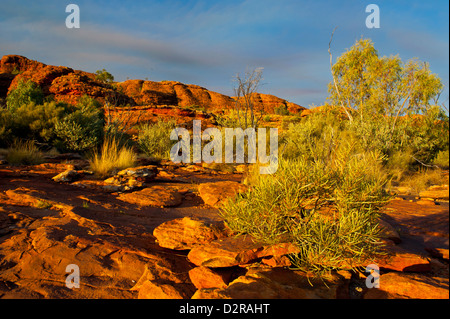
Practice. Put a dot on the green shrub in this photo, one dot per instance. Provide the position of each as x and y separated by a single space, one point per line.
24 153
230 119
406 143
116 130
37 121
442 159
312 136
23 94
282 110
104 76
154 139
112 158
328 209
5 126
82 129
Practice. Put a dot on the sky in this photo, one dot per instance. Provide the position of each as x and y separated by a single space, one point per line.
208 42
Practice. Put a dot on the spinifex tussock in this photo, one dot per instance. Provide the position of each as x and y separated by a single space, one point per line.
112 158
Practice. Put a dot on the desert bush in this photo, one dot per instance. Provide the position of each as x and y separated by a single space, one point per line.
267 118
24 93
114 130
104 76
442 159
407 143
37 121
311 136
81 129
329 209
112 158
5 126
24 153
423 178
230 119
154 139
282 110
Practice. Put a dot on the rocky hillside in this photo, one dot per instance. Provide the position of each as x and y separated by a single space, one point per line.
67 85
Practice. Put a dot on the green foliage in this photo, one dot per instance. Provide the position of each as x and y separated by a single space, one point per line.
37 121
42 204
372 85
230 119
5 126
16 71
104 76
24 93
82 129
331 181
442 159
328 209
116 130
282 110
311 136
154 139
409 142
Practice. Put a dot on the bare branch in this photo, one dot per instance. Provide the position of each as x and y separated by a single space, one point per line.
334 79
244 91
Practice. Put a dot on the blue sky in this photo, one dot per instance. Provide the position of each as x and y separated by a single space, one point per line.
208 42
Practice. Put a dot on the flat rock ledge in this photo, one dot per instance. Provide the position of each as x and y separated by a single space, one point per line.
153 196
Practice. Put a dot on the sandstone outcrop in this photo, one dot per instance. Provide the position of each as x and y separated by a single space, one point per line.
68 85
158 196
215 194
64 83
186 233
236 250
409 286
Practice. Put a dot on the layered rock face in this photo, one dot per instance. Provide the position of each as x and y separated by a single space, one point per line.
174 93
68 85
64 83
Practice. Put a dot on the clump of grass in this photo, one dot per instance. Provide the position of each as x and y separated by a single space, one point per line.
24 153
112 158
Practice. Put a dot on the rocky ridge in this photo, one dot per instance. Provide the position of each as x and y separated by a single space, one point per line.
68 85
